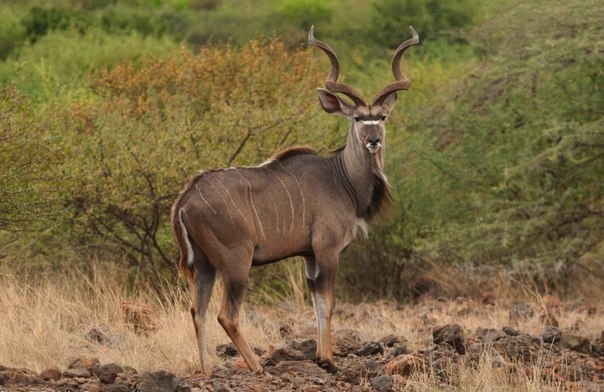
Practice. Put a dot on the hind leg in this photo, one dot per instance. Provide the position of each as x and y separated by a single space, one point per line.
202 283
235 284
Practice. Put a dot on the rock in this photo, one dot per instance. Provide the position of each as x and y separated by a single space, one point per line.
346 342
227 350
576 343
116 387
490 334
373 368
308 347
18 378
52 373
396 351
77 372
108 373
451 334
393 341
381 383
90 364
523 348
551 334
5 376
510 331
397 345
306 368
161 381
404 365
219 386
290 352
68 384
370 349
93 386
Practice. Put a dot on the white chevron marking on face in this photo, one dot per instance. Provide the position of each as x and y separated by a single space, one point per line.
370 122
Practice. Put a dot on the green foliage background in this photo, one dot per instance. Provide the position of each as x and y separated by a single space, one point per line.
496 154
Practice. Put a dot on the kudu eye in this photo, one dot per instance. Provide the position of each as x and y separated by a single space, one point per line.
356 118
383 118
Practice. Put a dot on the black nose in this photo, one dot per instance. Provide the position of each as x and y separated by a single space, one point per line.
373 140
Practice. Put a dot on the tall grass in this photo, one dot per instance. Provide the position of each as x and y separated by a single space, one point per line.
50 320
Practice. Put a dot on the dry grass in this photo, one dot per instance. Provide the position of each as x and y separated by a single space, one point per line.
48 322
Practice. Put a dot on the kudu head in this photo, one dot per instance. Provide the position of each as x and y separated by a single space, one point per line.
367 120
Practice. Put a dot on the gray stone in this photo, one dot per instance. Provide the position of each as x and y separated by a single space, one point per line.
162 381
551 334
453 335
381 383
78 372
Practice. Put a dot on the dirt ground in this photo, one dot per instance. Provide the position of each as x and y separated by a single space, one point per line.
451 357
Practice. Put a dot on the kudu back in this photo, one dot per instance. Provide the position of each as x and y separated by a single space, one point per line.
298 203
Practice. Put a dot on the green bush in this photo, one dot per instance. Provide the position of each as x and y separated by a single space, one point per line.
26 152
12 33
131 149
518 160
54 66
42 20
432 19
305 13
120 19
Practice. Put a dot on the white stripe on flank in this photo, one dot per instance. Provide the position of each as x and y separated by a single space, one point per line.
203 198
301 193
249 186
289 196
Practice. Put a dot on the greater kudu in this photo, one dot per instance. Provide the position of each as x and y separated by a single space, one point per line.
296 204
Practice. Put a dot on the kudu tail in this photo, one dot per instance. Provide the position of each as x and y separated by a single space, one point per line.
181 236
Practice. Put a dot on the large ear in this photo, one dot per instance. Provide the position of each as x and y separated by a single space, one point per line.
332 104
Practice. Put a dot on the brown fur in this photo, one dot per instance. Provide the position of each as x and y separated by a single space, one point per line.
294 204
293 151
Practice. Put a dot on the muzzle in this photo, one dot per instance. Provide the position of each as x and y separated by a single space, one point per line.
373 144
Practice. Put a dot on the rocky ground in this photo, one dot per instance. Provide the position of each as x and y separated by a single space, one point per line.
554 357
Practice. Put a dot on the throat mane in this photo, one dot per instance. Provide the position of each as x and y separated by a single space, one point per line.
381 197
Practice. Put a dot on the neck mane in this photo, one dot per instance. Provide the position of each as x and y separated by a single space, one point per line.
364 180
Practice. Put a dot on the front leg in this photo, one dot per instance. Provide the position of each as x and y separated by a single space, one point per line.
321 278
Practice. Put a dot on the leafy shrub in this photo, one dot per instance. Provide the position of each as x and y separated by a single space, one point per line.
519 158
12 33
143 21
150 127
41 20
305 13
431 18
54 67
26 151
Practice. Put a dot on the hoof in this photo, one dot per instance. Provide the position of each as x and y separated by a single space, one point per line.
257 371
328 367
